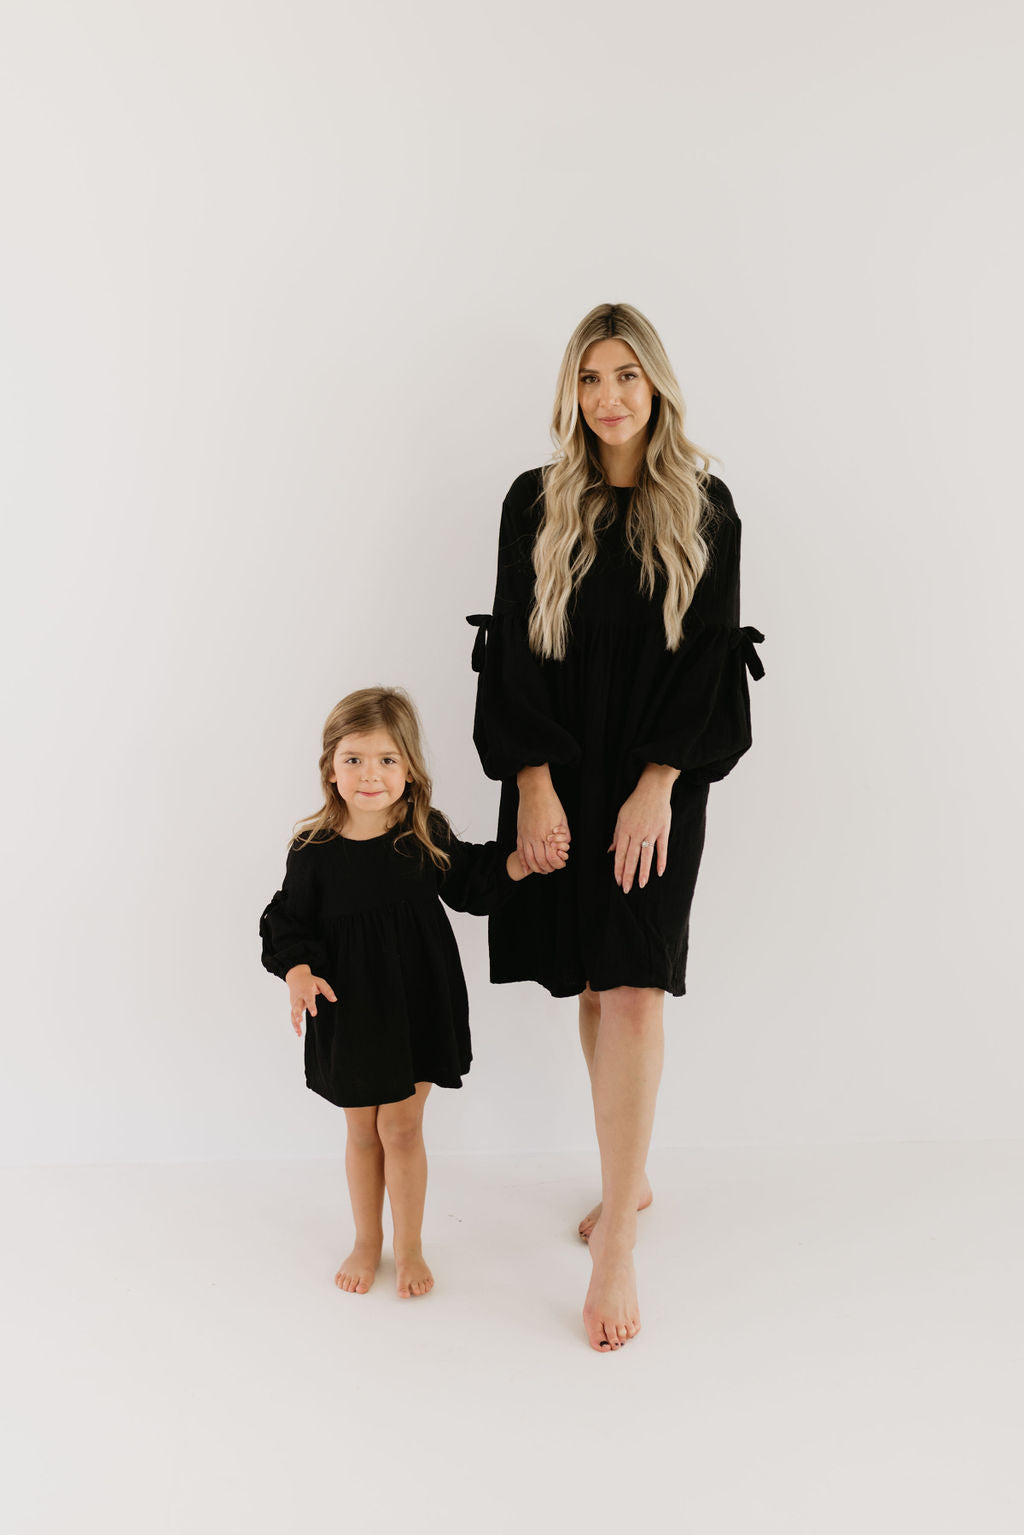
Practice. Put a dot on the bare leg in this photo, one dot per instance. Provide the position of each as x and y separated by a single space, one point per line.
400 1127
625 1074
590 1022
364 1168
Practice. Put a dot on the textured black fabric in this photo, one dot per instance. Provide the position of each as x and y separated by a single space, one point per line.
366 917
617 701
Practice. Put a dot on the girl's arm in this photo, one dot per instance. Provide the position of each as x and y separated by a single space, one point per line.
480 877
289 930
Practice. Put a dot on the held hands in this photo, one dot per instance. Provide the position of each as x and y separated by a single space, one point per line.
557 846
543 842
303 989
642 827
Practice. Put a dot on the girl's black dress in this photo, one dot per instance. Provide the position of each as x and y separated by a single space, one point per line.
367 918
617 701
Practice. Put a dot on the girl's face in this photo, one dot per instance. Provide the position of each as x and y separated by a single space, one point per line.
370 772
614 392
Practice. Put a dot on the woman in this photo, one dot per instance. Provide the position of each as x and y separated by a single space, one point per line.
612 692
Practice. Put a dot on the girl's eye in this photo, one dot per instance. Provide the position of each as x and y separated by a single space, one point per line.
388 761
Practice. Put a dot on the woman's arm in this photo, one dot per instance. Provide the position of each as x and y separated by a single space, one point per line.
642 826
541 818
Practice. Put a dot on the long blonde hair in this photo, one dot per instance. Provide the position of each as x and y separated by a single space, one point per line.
669 509
389 709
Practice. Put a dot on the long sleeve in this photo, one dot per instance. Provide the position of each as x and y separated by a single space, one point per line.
515 724
478 880
289 927
698 719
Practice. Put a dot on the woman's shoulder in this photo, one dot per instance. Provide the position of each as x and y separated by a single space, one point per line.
525 496
720 497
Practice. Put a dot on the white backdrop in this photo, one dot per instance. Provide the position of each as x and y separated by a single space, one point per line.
285 289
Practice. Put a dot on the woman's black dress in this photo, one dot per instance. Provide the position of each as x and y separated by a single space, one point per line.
365 916
617 701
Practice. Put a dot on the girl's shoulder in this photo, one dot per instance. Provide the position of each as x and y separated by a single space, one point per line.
440 827
309 848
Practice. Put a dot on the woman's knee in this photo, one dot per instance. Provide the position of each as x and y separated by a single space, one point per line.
590 1003
634 1008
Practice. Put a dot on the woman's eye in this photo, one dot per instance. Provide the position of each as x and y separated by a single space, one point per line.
627 377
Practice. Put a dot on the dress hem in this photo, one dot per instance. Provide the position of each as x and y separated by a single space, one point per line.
371 1103
556 989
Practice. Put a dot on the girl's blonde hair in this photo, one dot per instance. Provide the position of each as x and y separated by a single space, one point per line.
669 509
389 709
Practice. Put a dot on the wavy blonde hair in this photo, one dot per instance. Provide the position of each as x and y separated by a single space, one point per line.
669 510
389 709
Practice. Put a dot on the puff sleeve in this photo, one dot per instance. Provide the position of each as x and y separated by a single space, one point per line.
698 718
515 723
289 927
478 880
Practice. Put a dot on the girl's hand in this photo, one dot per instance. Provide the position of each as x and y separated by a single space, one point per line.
558 849
642 827
541 819
303 988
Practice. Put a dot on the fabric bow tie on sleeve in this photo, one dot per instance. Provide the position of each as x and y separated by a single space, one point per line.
747 638
481 622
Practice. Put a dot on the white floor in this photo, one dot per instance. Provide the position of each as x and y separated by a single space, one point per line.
832 1343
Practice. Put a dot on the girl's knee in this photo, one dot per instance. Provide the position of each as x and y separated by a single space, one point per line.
362 1128
400 1125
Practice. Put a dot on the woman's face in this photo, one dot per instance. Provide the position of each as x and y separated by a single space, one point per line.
615 393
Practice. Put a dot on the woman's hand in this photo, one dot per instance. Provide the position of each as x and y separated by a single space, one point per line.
543 839
643 825
303 988
558 848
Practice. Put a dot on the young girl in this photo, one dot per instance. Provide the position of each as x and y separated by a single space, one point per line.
358 933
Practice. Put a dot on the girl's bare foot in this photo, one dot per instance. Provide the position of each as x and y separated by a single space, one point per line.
414 1278
588 1222
611 1313
357 1273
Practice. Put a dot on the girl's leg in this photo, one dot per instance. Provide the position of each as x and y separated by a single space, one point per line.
625 1074
590 1022
364 1168
400 1127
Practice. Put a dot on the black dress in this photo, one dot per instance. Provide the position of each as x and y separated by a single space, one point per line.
617 701
365 916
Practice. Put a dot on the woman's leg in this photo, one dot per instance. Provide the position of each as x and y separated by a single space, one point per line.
364 1169
400 1127
590 1022
625 1074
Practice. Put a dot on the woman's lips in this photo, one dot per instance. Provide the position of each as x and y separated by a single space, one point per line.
610 420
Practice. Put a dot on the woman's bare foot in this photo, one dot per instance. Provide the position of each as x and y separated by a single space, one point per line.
588 1222
357 1273
414 1278
611 1313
